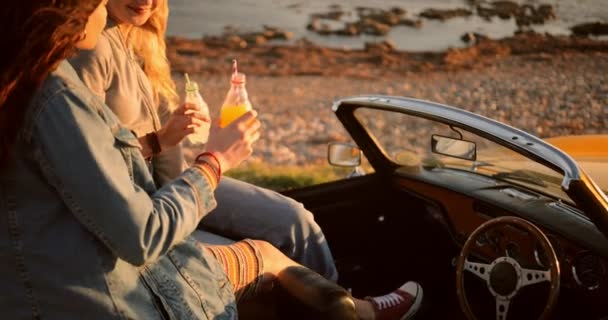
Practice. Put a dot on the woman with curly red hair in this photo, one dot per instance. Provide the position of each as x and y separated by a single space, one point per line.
84 230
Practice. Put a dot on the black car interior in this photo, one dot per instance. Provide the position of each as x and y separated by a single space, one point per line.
385 229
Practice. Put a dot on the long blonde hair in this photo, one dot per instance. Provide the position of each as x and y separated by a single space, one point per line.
148 42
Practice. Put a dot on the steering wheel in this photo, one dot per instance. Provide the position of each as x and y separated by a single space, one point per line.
505 277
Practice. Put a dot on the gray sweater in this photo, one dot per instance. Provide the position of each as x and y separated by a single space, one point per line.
112 72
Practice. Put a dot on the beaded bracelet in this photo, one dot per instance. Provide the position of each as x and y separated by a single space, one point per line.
203 159
214 157
211 167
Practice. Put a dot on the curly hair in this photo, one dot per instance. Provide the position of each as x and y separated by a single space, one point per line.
39 34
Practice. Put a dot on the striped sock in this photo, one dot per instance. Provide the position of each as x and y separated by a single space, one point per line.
242 263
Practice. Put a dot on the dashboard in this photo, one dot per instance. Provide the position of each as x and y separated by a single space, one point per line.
461 205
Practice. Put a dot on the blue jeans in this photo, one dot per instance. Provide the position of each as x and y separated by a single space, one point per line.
248 211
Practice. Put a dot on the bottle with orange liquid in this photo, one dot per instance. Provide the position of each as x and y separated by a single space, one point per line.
237 102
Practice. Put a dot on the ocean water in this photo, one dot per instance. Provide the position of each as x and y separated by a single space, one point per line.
196 18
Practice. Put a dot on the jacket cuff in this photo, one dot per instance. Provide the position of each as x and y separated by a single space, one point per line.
203 190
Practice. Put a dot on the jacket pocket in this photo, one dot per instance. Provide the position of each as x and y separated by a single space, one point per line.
160 306
206 279
162 279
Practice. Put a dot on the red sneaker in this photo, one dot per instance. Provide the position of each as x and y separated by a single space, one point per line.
401 304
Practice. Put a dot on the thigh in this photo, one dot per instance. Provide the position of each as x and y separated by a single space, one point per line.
248 211
209 238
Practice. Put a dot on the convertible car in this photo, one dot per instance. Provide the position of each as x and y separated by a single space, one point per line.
495 223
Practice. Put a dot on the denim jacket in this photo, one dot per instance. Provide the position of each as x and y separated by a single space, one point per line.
85 234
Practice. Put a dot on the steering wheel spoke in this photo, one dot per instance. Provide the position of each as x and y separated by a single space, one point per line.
502 308
531 276
505 276
481 270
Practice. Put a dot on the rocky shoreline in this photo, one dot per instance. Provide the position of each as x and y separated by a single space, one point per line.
212 56
543 84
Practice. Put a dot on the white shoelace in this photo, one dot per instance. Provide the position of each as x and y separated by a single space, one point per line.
389 300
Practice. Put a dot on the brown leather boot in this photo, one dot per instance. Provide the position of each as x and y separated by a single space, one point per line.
328 299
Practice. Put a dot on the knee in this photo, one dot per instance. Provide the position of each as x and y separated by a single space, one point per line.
273 259
296 210
266 249
302 219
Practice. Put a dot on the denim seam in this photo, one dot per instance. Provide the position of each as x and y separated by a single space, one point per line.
196 177
109 286
190 282
148 279
40 103
127 156
199 202
69 201
164 281
200 294
45 98
22 270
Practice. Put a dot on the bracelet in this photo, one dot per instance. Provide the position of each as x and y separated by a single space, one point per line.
208 172
203 159
152 139
214 157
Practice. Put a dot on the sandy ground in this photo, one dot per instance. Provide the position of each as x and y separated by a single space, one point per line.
545 90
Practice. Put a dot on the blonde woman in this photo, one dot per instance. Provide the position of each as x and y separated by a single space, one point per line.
129 70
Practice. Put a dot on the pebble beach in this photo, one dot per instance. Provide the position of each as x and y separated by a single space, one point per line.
543 84
551 96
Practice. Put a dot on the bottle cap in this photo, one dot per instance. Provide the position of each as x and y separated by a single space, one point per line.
237 77
192 86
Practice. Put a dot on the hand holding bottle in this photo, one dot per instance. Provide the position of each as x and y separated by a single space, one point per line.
233 143
183 122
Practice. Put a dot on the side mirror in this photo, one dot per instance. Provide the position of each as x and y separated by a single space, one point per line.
453 147
343 154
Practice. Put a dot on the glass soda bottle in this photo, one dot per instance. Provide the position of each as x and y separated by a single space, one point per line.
237 102
193 96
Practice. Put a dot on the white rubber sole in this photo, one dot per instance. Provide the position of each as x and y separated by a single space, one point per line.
416 305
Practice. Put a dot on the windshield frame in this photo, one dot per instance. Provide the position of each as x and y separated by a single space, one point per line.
579 187
409 140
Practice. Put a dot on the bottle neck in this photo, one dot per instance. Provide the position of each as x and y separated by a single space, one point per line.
240 84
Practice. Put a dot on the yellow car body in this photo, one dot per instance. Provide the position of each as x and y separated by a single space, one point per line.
590 152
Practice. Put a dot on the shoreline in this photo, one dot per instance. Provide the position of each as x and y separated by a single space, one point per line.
213 55
545 85
417 25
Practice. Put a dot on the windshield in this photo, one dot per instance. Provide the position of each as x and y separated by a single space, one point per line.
405 138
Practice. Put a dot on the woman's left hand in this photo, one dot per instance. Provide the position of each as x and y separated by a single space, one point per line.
184 121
